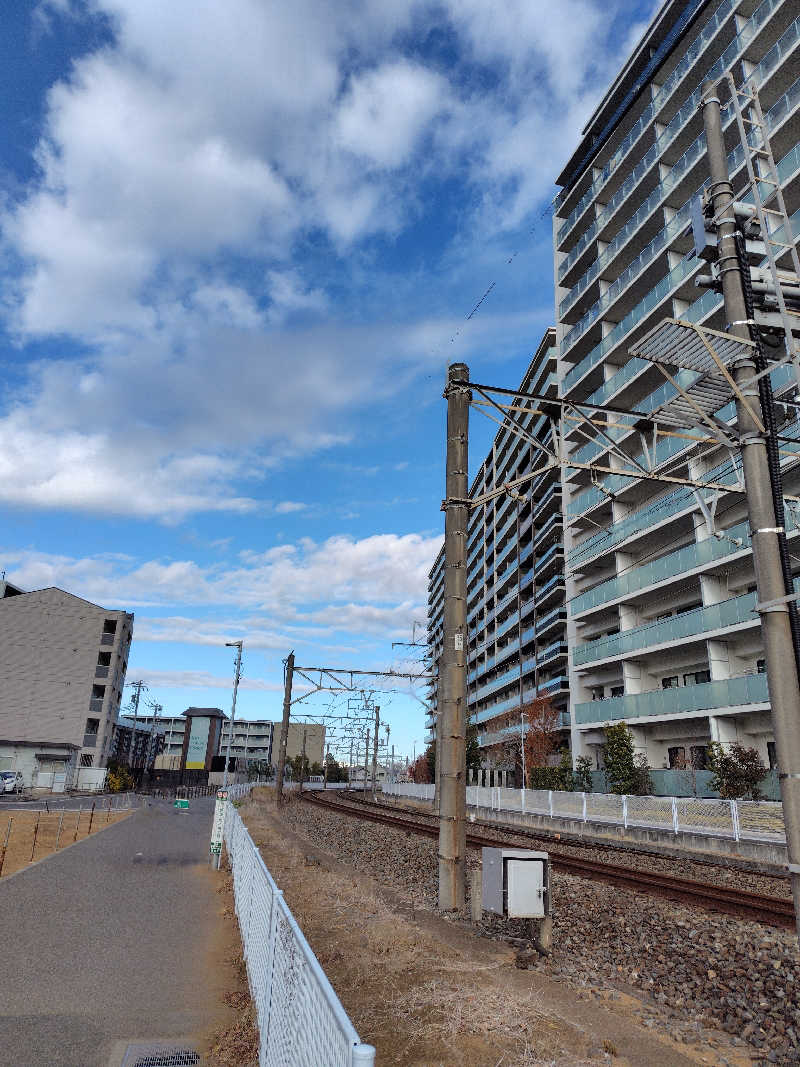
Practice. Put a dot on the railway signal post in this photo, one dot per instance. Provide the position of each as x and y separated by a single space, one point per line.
451 718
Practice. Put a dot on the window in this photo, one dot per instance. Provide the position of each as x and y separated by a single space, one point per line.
598 692
110 626
90 733
618 690
87 760
761 666
98 692
670 683
677 757
697 677
103 659
699 757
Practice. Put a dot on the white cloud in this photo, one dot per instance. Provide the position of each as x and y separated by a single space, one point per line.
203 680
295 592
205 137
286 507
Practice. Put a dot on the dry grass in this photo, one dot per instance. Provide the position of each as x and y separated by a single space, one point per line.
31 835
416 998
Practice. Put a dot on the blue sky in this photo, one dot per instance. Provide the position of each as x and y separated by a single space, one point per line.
239 244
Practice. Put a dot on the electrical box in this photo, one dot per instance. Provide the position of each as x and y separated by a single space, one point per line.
516 883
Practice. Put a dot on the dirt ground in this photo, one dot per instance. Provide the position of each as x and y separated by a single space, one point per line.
28 836
424 991
233 1039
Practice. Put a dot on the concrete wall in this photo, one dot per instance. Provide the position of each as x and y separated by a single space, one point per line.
50 646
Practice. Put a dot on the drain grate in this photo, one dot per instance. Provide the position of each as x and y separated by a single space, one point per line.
160 1054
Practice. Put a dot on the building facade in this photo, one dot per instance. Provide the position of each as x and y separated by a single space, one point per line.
516 619
662 628
62 669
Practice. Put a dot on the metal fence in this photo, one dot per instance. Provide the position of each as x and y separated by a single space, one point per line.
300 1020
739 820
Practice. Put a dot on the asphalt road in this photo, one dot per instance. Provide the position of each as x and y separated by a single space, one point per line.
107 941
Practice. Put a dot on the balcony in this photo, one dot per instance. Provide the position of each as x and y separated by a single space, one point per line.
708 696
737 611
690 558
550 588
687 111
663 93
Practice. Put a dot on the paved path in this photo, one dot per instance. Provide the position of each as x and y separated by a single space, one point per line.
108 941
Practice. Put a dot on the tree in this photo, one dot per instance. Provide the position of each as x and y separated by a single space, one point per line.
473 748
430 756
625 772
583 774
737 771
420 770
542 726
336 773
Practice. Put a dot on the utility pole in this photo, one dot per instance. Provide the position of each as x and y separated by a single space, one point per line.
391 772
350 764
366 763
287 707
157 709
375 748
453 663
137 688
236 674
782 679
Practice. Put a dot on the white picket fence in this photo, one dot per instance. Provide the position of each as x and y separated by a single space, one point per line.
301 1022
740 820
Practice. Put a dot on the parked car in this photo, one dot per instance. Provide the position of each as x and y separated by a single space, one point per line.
10 781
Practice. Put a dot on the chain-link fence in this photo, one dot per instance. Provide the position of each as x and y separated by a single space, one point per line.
740 820
300 1020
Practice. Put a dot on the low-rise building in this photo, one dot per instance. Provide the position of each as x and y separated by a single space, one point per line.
62 669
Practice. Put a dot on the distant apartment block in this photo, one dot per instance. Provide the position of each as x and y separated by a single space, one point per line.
662 628
62 670
516 618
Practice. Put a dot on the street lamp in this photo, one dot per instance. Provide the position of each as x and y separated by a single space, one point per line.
238 646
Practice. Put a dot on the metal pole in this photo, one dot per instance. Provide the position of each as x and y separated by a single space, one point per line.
453 662
303 760
391 772
237 672
287 705
350 764
522 746
375 748
782 679
366 763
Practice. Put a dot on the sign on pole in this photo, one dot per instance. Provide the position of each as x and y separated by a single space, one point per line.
218 825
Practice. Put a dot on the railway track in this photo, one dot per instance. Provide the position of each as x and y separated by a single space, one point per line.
774 911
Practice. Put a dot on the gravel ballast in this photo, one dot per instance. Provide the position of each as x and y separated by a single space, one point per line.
693 969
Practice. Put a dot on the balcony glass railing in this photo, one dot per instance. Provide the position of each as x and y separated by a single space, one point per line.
551 586
660 570
723 693
503 680
659 244
545 621
512 620
733 612
689 108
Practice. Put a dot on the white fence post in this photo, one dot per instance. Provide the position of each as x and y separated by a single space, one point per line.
583 797
625 812
674 814
550 801
735 819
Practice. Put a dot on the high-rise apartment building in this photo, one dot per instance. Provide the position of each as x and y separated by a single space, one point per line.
662 628
516 621
62 670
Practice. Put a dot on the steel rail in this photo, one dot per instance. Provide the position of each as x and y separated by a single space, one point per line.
774 911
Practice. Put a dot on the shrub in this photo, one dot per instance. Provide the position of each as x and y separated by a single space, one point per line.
737 771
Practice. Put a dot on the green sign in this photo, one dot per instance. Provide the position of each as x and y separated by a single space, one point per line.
182 805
